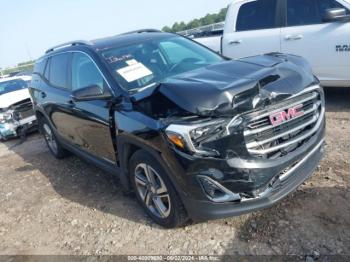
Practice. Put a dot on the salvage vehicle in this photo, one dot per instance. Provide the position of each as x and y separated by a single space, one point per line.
317 30
16 110
192 134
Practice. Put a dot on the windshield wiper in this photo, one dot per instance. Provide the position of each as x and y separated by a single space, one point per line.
140 89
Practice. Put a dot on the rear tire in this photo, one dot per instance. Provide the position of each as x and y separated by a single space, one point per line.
155 191
52 143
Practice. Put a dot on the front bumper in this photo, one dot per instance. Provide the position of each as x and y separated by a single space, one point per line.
241 180
204 209
11 129
259 183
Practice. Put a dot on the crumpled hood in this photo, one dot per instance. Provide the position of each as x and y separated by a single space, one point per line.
238 85
8 99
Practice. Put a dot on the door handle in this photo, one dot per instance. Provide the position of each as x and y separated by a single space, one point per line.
235 42
43 94
293 37
71 102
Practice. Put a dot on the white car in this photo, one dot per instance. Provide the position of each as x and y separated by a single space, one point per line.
318 30
16 110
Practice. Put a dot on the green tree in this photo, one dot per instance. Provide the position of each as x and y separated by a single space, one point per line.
24 66
26 63
167 29
206 20
176 27
193 24
221 15
182 26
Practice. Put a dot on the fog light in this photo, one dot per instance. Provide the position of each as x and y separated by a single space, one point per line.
217 192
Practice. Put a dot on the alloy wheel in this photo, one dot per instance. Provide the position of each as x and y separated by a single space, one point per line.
152 190
50 139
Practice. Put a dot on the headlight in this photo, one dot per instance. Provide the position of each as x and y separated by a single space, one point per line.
5 117
190 137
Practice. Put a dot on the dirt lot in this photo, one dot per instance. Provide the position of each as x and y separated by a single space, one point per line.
69 207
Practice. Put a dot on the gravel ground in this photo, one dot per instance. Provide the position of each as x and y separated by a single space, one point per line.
70 207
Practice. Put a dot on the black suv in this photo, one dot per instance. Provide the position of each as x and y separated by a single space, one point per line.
194 135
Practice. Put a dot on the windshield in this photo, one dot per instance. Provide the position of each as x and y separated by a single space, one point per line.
152 61
12 85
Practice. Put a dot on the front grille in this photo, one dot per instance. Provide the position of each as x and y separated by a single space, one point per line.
23 109
265 140
26 113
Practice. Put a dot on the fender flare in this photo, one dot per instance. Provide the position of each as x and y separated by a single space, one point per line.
41 111
126 145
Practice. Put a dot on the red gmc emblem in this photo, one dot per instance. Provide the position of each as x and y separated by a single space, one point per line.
283 116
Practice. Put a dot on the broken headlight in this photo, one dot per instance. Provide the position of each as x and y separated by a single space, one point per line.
5 117
190 137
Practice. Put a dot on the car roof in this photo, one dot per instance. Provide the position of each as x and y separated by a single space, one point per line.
127 38
110 42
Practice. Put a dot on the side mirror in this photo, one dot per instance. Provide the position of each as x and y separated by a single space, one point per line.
336 14
88 93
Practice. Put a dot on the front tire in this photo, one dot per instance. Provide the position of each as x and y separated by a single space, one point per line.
155 191
51 141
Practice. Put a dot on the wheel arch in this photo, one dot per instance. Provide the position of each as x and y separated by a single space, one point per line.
127 145
40 116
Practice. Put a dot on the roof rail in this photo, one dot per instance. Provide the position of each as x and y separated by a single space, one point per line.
72 43
143 31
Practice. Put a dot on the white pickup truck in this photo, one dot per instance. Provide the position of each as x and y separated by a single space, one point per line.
318 30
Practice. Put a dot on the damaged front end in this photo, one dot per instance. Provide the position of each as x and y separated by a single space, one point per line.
17 119
248 154
219 123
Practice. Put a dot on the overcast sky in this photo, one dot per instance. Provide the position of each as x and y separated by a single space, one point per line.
29 27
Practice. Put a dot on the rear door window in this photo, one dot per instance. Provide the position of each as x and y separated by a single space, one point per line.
58 70
39 67
259 14
47 69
